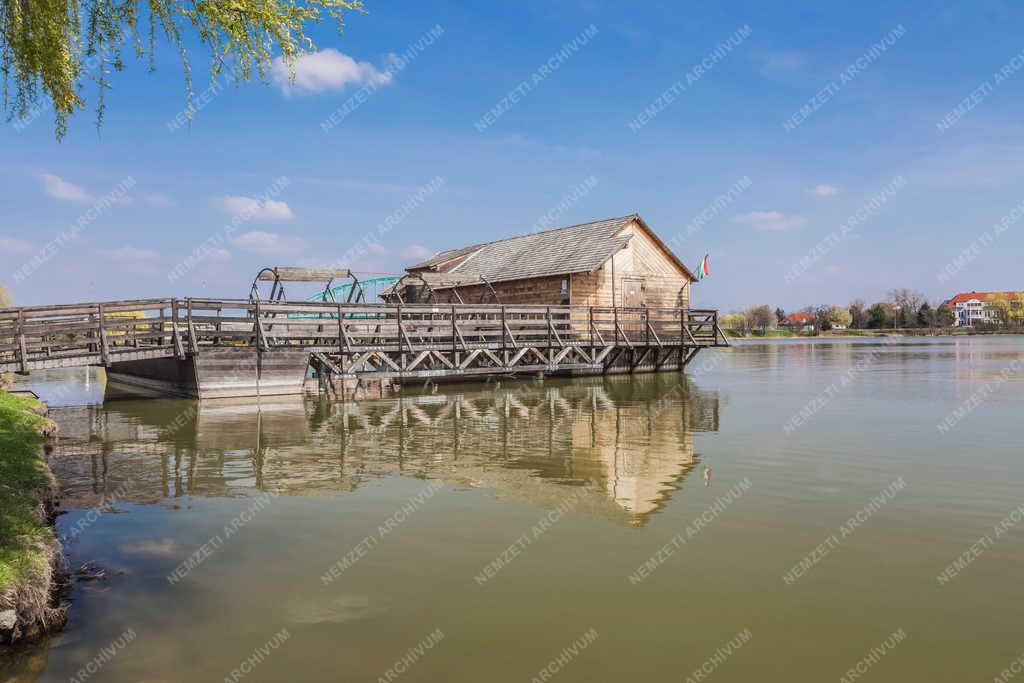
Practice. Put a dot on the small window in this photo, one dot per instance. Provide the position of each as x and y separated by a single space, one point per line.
565 286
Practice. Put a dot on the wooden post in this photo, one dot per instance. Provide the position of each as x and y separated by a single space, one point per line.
615 312
257 327
341 349
455 335
503 333
647 327
104 352
193 342
398 317
590 326
22 347
341 332
682 327
174 321
550 352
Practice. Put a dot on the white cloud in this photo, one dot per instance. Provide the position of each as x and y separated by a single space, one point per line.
15 245
219 254
268 242
59 188
155 200
272 210
837 268
782 61
127 253
418 252
325 70
823 191
770 220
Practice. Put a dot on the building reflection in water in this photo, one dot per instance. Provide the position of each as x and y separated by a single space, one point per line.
631 439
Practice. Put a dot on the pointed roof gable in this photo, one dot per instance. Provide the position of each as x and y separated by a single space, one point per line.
580 248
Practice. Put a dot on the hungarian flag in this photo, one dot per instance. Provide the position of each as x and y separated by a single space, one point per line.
703 269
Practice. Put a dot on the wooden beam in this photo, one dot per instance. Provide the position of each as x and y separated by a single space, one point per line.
618 331
644 352
417 360
179 350
518 356
651 333
293 274
470 358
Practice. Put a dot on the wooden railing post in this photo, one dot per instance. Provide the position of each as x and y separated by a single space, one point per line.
547 314
174 320
398 318
22 346
503 328
104 351
455 335
193 343
615 315
590 325
341 332
647 327
257 327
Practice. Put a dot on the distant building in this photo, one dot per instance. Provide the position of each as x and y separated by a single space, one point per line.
973 308
800 321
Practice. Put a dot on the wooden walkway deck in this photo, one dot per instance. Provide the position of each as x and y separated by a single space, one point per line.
358 340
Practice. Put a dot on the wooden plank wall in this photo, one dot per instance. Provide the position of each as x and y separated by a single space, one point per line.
643 259
540 291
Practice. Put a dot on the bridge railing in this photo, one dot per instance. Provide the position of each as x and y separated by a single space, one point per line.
81 330
95 333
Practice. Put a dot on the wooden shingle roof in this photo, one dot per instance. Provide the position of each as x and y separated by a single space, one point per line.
574 249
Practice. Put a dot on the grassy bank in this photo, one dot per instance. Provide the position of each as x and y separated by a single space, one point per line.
739 334
29 550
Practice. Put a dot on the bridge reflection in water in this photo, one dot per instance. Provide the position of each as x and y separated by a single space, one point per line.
631 439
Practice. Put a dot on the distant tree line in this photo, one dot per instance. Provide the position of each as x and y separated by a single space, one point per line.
902 309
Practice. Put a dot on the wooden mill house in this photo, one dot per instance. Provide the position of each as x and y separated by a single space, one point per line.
600 297
610 262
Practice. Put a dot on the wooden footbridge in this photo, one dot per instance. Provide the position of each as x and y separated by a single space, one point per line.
224 347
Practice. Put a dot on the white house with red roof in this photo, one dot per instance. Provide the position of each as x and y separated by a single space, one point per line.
971 308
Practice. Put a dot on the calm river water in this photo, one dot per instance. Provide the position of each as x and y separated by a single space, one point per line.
563 530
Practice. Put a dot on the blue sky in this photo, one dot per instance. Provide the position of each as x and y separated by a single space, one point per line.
885 76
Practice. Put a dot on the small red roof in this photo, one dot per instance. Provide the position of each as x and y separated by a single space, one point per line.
801 318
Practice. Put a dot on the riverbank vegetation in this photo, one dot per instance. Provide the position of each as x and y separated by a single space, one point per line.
29 550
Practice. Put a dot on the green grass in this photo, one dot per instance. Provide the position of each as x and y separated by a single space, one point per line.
23 472
758 333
